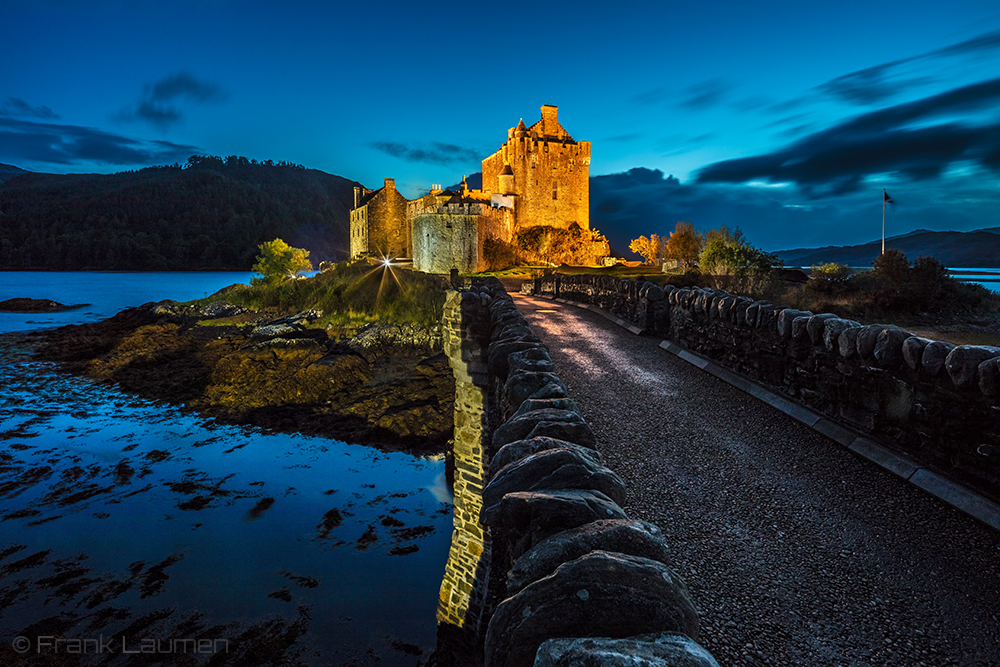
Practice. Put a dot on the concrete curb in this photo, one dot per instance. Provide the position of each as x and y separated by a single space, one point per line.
942 488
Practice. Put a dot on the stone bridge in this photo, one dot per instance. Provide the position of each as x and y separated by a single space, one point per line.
547 568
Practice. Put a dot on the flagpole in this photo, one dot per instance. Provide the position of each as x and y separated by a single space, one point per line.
884 195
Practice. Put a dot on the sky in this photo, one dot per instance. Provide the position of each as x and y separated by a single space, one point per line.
786 119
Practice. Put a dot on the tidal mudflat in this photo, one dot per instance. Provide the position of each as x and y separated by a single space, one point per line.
128 525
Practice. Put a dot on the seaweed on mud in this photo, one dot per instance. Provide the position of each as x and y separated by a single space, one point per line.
391 522
156 576
299 580
258 510
407 534
11 550
404 551
367 538
34 560
282 594
331 520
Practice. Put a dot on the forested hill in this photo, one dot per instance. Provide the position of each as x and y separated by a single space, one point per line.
8 171
978 249
210 213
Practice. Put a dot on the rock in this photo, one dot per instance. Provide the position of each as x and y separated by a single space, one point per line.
553 469
632 537
602 594
654 293
913 351
528 517
800 327
832 329
989 376
529 358
500 350
962 363
868 339
889 346
933 358
653 650
816 327
533 404
520 425
576 432
847 342
551 391
26 305
521 385
518 449
219 309
785 319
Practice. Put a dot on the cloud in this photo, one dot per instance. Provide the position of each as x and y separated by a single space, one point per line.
705 94
625 137
873 84
68 145
18 107
654 96
434 153
899 140
157 105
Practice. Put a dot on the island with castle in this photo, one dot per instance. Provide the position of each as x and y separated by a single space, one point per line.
534 207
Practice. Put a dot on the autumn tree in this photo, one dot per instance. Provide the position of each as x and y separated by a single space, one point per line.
653 249
684 244
734 263
278 261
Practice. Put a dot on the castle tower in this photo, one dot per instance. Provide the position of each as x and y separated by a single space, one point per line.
549 173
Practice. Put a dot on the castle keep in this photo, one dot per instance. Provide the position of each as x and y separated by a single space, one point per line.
546 171
539 178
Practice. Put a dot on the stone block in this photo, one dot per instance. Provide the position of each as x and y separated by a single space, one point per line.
962 363
652 650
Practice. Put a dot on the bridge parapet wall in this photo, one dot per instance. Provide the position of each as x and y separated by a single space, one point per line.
937 402
551 571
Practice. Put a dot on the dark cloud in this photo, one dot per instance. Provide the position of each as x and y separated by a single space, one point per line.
68 145
643 201
870 86
434 153
836 160
654 96
625 137
705 94
158 103
18 107
874 84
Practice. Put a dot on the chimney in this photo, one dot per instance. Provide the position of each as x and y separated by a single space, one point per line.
357 195
549 118
390 184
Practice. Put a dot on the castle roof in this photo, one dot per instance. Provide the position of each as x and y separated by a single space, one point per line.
368 196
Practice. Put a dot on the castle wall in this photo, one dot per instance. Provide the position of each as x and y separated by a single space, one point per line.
446 241
551 174
380 227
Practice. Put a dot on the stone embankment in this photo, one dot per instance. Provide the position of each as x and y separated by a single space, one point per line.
934 401
545 568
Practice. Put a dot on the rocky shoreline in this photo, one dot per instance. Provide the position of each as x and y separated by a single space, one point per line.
385 385
26 305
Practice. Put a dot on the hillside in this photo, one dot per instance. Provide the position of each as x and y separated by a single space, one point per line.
8 171
209 214
978 249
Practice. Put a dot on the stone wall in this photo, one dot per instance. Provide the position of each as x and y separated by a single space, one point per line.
553 572
445 241
379 226
937 402
551 173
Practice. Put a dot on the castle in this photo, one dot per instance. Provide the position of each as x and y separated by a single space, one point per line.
539 178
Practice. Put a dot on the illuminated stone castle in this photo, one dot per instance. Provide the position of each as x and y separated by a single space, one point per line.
540 177
546 171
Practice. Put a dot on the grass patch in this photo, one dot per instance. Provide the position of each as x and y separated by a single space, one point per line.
349 296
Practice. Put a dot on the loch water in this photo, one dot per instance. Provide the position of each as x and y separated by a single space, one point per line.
125 520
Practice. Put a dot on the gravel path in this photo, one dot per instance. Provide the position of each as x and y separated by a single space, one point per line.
796 551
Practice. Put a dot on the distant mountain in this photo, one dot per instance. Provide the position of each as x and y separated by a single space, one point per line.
8 171
209 214
978 249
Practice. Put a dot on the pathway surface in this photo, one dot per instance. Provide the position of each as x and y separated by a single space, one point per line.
796 551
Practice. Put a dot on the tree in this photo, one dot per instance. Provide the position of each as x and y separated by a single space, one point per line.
735 263
684 244
278 261
652 249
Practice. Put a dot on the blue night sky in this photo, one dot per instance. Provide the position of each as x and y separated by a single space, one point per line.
785 119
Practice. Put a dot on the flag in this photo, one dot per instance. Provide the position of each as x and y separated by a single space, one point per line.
888 199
